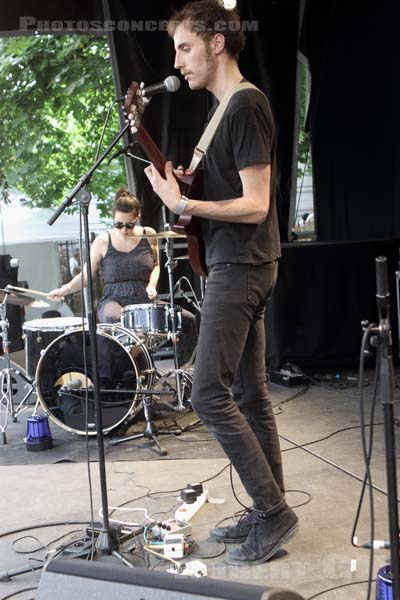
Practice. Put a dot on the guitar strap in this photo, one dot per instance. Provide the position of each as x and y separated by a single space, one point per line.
211 128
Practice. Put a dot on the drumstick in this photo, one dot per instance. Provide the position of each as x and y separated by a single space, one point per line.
26 291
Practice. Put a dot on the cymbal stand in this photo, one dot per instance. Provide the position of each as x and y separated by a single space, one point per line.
171 265
196 306
150 429
6 384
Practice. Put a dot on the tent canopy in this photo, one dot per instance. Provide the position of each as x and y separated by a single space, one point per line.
21 224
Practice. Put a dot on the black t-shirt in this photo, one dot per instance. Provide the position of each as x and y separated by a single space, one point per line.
245 137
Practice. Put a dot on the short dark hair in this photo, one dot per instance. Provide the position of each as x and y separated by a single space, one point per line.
205 18
125 202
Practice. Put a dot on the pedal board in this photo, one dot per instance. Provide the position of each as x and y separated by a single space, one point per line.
286 377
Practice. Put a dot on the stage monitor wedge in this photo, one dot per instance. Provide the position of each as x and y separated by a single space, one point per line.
75 578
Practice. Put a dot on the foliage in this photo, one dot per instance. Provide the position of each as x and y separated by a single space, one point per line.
303 144
54 96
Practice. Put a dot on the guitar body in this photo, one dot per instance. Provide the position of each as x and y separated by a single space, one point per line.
190 186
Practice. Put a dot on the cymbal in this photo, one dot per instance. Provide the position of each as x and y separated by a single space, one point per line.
160 235
14 288
21 299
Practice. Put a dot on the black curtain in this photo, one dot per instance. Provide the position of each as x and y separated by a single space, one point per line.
352 48
334 287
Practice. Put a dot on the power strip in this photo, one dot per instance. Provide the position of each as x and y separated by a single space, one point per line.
187 510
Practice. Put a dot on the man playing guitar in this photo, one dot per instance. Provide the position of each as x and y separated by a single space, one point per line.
240 230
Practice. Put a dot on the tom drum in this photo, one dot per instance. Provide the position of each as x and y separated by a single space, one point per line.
150 319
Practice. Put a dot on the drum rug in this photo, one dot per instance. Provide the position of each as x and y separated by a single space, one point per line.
180 434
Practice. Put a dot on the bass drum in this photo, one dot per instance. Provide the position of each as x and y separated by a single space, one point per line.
125 368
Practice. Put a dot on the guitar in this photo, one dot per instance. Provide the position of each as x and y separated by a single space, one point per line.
190 185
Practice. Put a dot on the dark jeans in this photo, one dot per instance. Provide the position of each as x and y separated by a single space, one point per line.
232 340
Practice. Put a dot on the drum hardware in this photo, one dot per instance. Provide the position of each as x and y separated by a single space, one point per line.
150 431
171 264
20 296
6 381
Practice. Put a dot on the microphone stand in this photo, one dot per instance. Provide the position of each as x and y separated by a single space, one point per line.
384 339
106 541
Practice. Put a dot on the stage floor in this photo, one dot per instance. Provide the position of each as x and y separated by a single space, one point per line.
323 479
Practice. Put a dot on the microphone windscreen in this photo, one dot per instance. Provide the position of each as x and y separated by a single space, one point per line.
172 83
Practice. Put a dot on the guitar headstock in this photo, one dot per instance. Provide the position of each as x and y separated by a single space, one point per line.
135 105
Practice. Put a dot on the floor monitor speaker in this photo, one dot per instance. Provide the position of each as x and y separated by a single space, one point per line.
75 578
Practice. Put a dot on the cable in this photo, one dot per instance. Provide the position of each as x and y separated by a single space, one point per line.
158 555
338 587
329 386
30 589
331 463
103 131
367 452
24 537
210 556
150 494
42 525
309 496
292 397
329 436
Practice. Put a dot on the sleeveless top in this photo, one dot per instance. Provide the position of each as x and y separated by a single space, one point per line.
127 274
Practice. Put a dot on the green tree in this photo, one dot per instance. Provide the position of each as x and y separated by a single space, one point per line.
303 145
54 95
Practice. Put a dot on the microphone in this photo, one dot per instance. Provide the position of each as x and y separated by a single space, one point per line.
177 287
170 84
74 384
382 288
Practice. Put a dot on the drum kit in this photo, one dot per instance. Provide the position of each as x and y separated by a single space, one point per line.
58 363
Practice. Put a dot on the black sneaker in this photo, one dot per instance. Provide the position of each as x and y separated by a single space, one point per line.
267 535
237 533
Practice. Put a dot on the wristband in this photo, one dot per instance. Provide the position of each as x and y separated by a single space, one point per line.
181 205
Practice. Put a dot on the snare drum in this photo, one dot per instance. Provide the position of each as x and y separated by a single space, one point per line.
38 334
150 319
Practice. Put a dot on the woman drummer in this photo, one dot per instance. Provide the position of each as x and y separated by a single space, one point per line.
130 262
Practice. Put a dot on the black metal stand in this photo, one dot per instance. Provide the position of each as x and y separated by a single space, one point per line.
6 380
150 431
106 541
387 401
171 265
